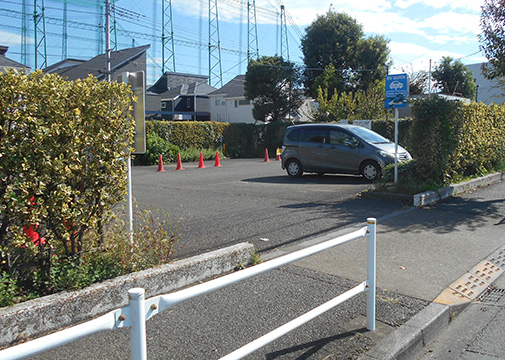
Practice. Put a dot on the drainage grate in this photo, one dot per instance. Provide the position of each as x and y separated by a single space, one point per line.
492 295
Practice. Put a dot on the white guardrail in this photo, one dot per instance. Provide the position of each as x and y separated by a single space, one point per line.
140 310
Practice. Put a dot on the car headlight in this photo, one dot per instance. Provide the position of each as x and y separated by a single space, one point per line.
385 154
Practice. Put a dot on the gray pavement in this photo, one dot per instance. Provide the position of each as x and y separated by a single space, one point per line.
420 253
477 333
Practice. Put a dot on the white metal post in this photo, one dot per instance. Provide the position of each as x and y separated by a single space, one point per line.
130 205
371 273
138 328
396 145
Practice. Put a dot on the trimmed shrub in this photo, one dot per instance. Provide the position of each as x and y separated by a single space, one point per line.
62 168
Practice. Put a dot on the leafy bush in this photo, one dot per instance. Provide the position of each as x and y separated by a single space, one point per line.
156 146
105 256
8 289
65 167
435 135
191 155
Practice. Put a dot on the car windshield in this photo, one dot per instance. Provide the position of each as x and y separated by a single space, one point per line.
369 135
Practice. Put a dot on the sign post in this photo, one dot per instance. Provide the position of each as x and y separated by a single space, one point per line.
137 83
397 91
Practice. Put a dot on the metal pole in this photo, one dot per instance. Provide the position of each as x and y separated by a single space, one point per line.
371 273
138 329
130 206
396 145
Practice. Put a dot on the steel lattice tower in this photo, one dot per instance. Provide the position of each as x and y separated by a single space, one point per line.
24 34
215 70
252 32
167 41
40 27
284 35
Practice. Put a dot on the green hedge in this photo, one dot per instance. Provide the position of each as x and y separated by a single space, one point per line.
451 138
241 140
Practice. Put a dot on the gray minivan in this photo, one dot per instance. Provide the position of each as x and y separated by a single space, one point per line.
337 148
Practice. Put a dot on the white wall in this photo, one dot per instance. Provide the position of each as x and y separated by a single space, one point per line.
226 111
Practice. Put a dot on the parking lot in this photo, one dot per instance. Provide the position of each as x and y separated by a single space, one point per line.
254 201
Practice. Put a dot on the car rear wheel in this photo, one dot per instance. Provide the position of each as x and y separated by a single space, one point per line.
371 170
294 168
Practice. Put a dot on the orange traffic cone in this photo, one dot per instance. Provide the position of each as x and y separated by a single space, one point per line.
217 163
267 159
200 164
160 164
278 154
179 163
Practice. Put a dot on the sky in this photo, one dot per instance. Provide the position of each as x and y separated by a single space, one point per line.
418 31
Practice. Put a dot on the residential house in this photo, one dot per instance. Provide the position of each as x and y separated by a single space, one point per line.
131 60
229 104
6 63
179 96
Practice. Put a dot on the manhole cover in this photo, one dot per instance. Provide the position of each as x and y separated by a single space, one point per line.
492 295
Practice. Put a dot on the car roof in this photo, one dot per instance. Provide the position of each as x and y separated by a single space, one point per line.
342 126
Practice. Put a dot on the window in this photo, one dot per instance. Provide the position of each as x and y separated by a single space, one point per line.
244 102
188 103
236 103
218 102
338 137
223 103
295 135
315 136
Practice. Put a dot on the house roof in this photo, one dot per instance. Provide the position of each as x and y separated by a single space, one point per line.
170 80
232 89
5 62
96 66
63 65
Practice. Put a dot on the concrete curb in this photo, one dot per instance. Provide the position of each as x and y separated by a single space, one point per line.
409 339
40 316
430 197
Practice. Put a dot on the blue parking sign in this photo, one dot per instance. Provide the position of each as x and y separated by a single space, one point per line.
397 90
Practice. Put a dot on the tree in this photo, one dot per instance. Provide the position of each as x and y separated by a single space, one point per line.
418 81
273 85
492 38
363 104
337 39
454 78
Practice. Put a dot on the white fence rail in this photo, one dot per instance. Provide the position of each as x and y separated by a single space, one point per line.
140 310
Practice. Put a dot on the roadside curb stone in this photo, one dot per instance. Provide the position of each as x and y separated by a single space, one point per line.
409 339
40 316
430 197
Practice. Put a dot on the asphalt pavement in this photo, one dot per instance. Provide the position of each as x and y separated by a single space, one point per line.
420 252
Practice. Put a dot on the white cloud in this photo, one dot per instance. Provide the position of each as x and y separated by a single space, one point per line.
13 39
417 56
471 5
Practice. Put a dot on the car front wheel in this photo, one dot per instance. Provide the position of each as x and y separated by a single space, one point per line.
294 168
371 170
